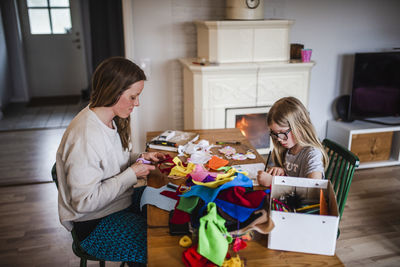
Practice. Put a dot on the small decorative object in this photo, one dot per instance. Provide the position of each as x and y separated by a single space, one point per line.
250 154
244 9
306 55
295 51
239 156
228 151
185 241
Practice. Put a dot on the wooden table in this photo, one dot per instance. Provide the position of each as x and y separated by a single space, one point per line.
163 249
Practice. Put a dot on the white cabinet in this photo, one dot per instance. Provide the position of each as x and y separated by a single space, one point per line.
343 133
233 41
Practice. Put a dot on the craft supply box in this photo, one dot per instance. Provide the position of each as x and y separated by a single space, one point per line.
300 232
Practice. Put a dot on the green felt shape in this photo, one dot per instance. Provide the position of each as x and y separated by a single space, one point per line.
188 204
214 238
225 168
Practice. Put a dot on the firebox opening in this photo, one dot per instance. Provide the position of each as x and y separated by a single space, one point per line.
255 128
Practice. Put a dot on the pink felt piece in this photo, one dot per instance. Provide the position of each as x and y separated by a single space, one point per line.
200 173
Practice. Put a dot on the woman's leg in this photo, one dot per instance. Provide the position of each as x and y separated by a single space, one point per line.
121 236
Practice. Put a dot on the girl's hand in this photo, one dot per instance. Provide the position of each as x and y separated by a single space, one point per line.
276 171
264 178
153 156
141 169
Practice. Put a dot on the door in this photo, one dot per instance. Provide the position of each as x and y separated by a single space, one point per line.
53 44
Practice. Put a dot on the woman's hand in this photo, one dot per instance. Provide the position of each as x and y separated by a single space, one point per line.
153 156
264 178
276 171
141 169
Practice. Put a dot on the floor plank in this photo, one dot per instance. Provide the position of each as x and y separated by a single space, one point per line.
370 227
27 156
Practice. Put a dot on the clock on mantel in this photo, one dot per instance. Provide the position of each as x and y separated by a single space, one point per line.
244 9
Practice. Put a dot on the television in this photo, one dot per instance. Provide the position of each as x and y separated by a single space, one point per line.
375 94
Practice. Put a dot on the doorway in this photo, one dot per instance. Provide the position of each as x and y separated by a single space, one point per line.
54 47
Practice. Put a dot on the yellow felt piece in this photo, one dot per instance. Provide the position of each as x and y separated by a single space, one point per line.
229 173
233 262
180 170
216 183
221 178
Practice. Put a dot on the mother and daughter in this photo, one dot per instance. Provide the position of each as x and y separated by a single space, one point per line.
97 169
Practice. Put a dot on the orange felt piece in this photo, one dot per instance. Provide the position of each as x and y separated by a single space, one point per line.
323 206
217 162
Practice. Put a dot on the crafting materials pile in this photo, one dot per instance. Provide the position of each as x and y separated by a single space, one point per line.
218 207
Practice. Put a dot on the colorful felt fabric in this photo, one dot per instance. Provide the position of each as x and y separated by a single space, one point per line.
216 162
208 179
179 216
233 262
191 258
238 244
209 194
188 204
233 225
200 173
170 194
238 212
213 236
221 178
166 165
180 169
262 224
240 196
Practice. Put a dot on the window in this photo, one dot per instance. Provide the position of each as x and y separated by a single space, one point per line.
49 16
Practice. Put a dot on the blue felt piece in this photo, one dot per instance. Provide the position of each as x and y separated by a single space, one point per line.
209 194
238 212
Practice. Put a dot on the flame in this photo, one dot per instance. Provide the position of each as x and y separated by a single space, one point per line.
242 125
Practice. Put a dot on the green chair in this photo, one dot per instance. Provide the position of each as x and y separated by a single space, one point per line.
340 171
76 248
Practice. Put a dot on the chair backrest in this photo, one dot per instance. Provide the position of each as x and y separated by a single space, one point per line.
340 171
54 174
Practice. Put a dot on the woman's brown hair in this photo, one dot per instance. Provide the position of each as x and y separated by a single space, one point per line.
111 78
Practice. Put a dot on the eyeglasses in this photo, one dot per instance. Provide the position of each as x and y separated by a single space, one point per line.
282 136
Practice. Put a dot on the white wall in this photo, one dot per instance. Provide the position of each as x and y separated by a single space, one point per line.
163 32
335 30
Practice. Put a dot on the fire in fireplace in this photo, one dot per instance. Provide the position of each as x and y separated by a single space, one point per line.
252 122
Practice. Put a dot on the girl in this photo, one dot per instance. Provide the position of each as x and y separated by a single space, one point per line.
97 169
297 149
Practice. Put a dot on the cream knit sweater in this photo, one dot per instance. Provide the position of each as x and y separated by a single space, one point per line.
94 177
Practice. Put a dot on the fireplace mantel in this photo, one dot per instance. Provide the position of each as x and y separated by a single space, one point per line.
210 90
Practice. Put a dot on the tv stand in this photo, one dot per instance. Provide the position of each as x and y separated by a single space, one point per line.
390 120
344 133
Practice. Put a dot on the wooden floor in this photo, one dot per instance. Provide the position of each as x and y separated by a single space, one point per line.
22 116
31 235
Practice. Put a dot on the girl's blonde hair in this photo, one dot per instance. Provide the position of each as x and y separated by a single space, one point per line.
111 78
290 112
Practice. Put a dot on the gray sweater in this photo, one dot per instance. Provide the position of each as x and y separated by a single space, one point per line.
93 171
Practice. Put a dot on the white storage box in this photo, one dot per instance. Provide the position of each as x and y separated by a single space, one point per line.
243 41
300 232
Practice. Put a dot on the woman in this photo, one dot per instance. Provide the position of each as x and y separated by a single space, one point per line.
97 169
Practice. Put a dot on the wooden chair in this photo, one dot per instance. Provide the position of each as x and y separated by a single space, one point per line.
76 248
340 171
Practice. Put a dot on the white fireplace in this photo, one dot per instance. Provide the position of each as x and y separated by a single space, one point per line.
215 94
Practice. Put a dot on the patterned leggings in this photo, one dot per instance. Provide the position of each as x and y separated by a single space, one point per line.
121 236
